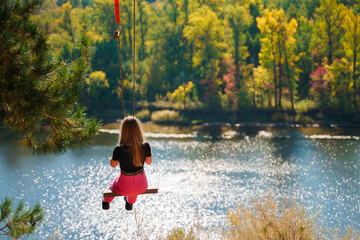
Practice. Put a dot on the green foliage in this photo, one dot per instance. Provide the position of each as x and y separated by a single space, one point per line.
244 98
19 222
239 20
278 117
328 31
301 108
206 32
305 61
97 84
40 92
340 84
304 120
253 34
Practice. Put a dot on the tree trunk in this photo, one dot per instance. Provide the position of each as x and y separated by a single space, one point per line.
237 67
173 5
275 77
354 79
129 30
329 33
330 55
142 32
280 77
186 3
253 85
288 78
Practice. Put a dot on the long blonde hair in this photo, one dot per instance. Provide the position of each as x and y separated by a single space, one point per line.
131 134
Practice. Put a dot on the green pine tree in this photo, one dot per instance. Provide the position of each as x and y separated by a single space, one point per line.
19 222
39 92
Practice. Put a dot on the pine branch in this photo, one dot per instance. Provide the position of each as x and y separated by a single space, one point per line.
2 229
60 119
87 51
83 56
46 89
21 222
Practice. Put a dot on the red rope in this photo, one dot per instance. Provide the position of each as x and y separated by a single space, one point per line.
117 12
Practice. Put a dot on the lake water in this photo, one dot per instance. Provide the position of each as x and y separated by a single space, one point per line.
200 172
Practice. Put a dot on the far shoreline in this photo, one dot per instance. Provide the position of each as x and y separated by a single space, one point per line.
245 118
242 124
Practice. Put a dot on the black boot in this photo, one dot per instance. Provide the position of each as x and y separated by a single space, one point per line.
128 206
105 205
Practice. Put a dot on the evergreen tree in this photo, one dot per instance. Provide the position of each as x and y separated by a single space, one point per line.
39 92
19 222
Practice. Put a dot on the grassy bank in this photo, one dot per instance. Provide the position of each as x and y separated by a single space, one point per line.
167 113
195 117
267 219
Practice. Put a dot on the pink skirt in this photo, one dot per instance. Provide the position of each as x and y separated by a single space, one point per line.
129 186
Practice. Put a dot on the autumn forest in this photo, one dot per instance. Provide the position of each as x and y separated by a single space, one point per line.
291 57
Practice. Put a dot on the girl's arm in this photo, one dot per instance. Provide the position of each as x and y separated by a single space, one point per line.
113 163
148 160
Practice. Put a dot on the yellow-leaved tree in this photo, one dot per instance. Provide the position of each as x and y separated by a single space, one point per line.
328 31
206 34
182 94
278 51
239 20
352 48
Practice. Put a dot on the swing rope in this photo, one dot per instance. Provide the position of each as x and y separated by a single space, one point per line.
134 56
117 34
121 79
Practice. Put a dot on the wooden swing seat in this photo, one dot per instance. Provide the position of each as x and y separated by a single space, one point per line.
109 193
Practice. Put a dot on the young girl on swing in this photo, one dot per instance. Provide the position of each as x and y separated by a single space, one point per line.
131 153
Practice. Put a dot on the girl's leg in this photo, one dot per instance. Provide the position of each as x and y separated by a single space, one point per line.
109 199
131 199
112 188
141 184
129 185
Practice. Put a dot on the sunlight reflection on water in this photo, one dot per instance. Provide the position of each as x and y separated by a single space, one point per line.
198 180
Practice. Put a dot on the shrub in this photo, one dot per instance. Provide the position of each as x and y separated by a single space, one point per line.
181 234
278 117
271 220
143 115
301 119
164 104
166 116
305 105
267 219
